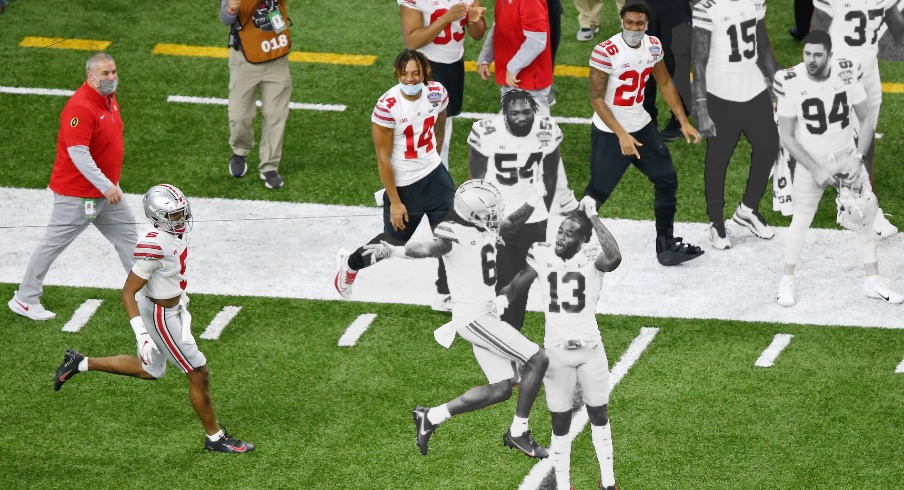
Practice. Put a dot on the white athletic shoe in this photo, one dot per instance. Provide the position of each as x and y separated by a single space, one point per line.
718 235
882 227
442 302
754 221
34 312
875 287
786 291
345 277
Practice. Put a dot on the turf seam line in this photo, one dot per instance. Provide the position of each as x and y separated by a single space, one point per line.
356 329
82 315
768 357
219 322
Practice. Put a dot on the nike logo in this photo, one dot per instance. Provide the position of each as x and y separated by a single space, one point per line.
102 116
21 305
64 376
236 449
883 297
421 429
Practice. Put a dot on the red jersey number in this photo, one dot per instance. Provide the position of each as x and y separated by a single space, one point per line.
637 82
446 35
425 140
610 48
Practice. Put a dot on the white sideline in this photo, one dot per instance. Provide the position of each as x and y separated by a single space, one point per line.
217 101
356 329
580 418
559 119
82 315
220 321
900 368
768 357
37 91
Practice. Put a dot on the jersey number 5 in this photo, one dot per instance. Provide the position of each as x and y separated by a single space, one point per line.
426 139
815 111
637 82
578 292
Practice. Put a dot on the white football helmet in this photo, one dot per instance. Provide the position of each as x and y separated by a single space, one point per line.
857 207
168 209
480 203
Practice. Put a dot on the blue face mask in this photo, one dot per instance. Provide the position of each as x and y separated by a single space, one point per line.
411 89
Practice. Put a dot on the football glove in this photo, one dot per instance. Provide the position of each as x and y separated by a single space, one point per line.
588 205
147 349
499 305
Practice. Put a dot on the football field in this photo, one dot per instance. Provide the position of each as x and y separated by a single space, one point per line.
718 386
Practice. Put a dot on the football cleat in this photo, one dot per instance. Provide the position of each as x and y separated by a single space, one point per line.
786 288
442 302
753 221
345 277
32 311
526 444
882 227
272 179
227 444
238 166
673 251
874 287
424 429
718 235
67 369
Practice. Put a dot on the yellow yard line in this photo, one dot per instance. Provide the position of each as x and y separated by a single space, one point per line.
893 88
63 43
561 70
296 56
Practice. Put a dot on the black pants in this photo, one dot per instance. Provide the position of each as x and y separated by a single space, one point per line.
451 76
608 165
432 197
555 26
803 13
758 124
511 259
667 15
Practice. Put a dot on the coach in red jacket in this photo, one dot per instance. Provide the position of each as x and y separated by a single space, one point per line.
519 42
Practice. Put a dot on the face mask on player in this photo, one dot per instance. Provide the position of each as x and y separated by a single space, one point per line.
411 89
106 87
633 38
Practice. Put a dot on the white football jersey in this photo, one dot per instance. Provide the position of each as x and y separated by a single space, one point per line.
732 72
167 254
515 163
413 144
824 110
571 289
855 28
470 268
449 44
628 69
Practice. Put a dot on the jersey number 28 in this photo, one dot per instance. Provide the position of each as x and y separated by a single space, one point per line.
637 82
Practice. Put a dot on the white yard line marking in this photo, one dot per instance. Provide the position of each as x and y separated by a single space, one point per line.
82 315
900 368
215 101
36 91
580 418
560 120
220 321
356 329
767 358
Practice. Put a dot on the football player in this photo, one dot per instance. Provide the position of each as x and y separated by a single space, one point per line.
732 55
855 26
524 149
437 28
416 183
815 99
154 294
623 132
570 273
467 239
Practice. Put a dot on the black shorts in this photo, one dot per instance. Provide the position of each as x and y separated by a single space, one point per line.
431 196
452 76
608 165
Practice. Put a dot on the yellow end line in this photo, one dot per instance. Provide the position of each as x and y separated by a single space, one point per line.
63 43
296 56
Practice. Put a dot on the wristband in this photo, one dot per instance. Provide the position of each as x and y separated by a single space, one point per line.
138 326
399 251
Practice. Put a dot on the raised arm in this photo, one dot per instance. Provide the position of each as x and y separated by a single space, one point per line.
610 257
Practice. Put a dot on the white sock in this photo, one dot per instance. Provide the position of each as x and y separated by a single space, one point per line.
519 426
867 245
794 239
215 437
438 415
602 442
83 365
560 450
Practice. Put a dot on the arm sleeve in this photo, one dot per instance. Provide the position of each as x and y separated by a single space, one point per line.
81 157
786 106
225 17
599 58
381 114
534 44
487 54
531 257
702 19
144 268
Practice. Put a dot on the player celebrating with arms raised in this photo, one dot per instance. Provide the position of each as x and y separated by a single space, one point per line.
623 132
814 105
570 272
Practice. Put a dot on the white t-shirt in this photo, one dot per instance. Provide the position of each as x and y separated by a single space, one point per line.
414 153
825 109
856 28
449 44
571 289
628 69
732 72
470 268
160 259
515 163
